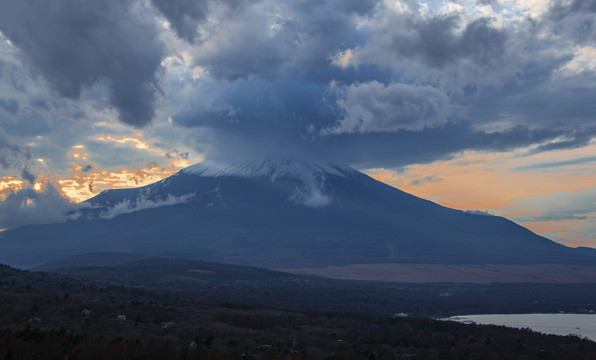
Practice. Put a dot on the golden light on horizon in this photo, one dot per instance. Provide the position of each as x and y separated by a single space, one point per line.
10 184
180 163
81 185
136 143
78 153
506 184
485 181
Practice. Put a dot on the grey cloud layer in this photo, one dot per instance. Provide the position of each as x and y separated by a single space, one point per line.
387 79
373 107
75 45
12 154
354 81
28 206
437 42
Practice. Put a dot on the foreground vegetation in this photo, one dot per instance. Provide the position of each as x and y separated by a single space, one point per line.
50 316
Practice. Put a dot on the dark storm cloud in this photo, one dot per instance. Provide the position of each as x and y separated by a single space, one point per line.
248 41
370 114
373 107
323 28
29 123
75 45
183 15
27 175
583 6
355 81
573 20
392 150
359 7
9 105
11 154
548 166
262 119
572 140
437 43
538 96
413 87
562 10
442 48
258 107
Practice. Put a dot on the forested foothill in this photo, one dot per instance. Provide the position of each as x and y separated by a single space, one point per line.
54 316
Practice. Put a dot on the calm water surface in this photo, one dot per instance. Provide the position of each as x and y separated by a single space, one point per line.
558 324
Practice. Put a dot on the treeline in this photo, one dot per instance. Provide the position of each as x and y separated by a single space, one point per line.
340 336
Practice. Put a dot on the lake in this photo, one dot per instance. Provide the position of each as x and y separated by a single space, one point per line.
557 324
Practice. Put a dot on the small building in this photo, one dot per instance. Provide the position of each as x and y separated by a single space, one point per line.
167 325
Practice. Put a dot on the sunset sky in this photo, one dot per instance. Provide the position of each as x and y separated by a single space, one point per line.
483 105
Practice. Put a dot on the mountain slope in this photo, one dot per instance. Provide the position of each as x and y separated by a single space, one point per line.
282 214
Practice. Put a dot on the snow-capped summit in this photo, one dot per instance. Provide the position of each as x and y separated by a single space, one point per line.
269 168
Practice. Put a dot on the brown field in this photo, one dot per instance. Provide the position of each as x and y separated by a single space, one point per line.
480 274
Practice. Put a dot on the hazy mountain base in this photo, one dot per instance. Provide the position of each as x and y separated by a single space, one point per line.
52 316
223 282
436 273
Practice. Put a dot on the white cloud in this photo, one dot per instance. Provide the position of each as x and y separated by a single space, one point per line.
142 203
311 196
27 206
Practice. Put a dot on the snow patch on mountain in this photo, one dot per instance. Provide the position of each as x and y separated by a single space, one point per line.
141 203
268 168
310 176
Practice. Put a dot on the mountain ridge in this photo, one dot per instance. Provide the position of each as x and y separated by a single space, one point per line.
284 214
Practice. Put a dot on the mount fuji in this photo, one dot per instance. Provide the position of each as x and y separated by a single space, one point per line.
282 214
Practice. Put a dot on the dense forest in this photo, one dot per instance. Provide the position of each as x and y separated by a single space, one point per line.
52 316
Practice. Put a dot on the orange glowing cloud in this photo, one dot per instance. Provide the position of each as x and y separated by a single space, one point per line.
581 242
566 231
135 141
9 184
508 184
545 227
82 185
